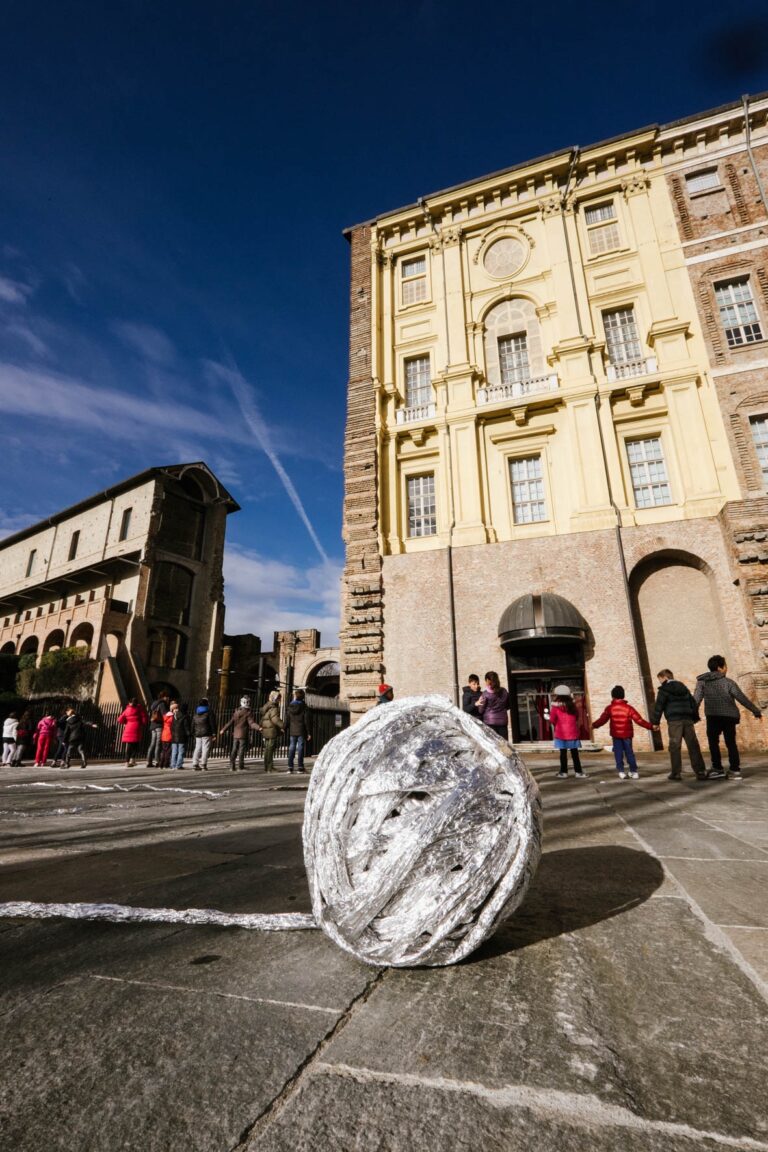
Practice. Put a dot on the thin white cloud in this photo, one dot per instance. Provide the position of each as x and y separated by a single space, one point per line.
148 341
14 291
126 417
264 596
11 522
244 395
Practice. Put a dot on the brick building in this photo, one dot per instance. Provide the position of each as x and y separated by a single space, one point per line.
133 575
552 454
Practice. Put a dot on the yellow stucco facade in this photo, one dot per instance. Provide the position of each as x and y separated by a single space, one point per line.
504 258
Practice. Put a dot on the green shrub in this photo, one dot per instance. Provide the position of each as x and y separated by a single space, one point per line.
66 672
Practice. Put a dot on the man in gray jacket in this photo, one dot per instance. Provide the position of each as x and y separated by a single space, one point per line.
720 696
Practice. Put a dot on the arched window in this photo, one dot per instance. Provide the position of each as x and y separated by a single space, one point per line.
171 593
54 640
513 348
167 648
82 637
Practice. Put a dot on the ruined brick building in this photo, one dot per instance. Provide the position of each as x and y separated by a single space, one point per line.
133 575
556 451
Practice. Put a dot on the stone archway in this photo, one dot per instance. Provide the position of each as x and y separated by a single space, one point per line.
30 646
8 649
677 615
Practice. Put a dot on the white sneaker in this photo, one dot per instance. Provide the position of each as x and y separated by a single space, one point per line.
622 775
634 775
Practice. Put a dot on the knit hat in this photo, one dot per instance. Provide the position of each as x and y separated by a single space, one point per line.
274 697
384 688
562 690
244 701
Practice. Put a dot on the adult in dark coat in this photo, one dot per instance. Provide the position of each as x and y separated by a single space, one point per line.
242 723
75 735
203 728
298 733
157 710
676 704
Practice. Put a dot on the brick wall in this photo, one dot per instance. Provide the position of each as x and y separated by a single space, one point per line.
362 607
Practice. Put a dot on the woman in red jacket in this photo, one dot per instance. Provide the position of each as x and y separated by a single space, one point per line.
621 729
134 717
565 724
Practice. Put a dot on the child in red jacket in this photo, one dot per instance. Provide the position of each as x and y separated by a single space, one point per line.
621 728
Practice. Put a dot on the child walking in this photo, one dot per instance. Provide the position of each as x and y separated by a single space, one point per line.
621 716
565 723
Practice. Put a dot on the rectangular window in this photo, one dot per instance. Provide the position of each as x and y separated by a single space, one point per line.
73 543
760 436
702 181
649 472
513 359
125 524
413 276
738 314
418 382
422 511
621 336
528 503
602 228
31 561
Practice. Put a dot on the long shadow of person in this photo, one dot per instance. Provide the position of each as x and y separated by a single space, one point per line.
573 888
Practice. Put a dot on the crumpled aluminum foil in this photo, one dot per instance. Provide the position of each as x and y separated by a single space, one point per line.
422 831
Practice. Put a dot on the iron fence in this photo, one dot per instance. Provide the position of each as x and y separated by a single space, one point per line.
105 741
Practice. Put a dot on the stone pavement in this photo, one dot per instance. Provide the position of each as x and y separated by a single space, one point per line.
623 1007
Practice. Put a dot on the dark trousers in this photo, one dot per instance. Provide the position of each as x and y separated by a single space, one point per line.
153 752
296 747
724 726
679 730
564 759
75 749
165 754
623 747
237 755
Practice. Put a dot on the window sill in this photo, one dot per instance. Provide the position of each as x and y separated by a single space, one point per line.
705 192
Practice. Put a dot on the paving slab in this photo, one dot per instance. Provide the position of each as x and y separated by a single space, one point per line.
728 892
350 1111
138 1067
556 1014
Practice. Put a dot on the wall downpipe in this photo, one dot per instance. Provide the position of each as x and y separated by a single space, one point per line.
575 152
748 143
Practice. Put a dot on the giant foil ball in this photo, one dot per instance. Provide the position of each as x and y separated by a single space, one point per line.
422 831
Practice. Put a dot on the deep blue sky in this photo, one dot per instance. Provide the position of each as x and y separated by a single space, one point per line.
174 180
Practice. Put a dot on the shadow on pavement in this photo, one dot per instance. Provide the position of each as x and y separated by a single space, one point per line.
573 888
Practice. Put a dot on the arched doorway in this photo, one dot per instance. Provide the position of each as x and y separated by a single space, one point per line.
544 638
8 649
30 646
324 679
677 616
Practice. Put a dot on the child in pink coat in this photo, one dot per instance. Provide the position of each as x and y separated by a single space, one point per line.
44 733
565 721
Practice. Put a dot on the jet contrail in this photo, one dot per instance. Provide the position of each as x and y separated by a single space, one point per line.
242 393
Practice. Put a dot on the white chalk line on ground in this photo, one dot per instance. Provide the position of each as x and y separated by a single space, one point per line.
123 914
162 987
118 788
573 1108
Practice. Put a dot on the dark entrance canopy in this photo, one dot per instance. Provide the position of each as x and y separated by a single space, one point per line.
541 617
